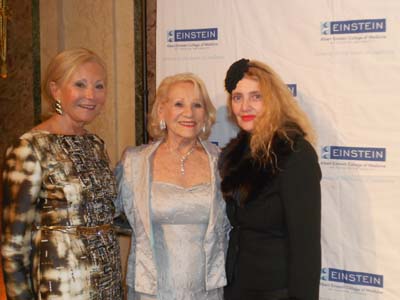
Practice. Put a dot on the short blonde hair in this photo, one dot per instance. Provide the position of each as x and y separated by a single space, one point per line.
64 64
162 97
282 117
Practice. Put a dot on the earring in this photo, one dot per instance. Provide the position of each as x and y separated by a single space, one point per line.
58 107
163 126
204 128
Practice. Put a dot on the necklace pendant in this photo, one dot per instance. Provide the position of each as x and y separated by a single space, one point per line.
182 159
182 169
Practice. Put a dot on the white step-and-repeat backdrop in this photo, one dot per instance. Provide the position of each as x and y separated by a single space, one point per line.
341 60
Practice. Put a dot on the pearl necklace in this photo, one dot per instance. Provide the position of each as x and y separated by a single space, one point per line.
183 158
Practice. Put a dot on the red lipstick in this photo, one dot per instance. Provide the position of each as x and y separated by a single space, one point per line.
247 118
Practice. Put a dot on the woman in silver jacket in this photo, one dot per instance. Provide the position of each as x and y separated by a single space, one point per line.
169 192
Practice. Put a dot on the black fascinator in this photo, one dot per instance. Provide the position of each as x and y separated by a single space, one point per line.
235 74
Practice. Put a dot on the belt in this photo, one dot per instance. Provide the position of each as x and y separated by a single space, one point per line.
78 230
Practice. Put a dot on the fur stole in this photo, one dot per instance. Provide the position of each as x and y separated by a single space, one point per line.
242 176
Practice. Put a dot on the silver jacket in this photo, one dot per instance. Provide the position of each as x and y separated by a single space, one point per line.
133 174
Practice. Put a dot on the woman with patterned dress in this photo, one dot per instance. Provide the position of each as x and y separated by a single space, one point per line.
169 191
57 239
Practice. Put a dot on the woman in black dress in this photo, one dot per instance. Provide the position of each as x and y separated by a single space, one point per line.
271 184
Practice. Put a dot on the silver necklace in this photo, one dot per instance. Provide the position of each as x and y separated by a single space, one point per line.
183 158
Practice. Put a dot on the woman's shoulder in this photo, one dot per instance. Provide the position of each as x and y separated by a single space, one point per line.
28 138
134 152
302 147
33 134
303 157
211 148
24 146
138 150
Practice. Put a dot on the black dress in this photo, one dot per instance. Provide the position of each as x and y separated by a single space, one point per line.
274 249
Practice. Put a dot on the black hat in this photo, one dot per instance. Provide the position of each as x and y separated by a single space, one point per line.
235 74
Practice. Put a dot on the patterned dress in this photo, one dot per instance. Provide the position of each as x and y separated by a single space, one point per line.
57 240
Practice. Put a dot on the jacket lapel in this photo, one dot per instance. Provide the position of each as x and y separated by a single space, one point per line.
212 159
143 187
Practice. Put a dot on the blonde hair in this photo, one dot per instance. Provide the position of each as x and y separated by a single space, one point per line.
282 116
162 97
64 64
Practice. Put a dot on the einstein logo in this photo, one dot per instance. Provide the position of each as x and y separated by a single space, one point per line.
326 152
325 274
170 36
353 26
326 28
354 153
352 277
192 35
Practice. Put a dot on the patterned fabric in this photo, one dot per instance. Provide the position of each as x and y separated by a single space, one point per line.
59 180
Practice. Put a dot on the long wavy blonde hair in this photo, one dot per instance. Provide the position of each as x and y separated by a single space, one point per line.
282 116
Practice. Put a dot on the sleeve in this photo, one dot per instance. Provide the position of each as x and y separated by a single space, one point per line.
301 194
120 220
225 225
120 174
21 185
